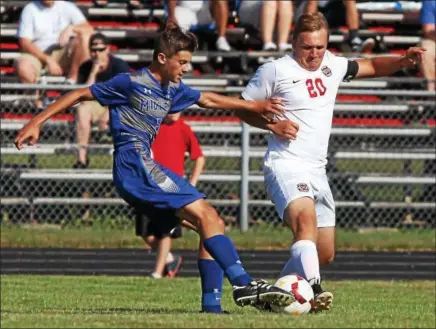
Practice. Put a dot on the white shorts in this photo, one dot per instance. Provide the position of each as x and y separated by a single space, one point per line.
187 17
284 186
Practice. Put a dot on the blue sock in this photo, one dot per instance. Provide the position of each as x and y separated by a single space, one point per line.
212 276
223 251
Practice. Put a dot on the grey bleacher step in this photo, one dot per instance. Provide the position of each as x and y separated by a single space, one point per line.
234 151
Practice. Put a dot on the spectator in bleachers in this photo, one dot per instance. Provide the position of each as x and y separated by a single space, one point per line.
263 14
202 14
339 13
428 21
52 35
173 140
101 67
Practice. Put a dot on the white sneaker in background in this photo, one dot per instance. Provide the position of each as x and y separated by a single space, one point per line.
269 46
222 44
285 47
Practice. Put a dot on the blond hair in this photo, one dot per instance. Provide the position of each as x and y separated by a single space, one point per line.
310 23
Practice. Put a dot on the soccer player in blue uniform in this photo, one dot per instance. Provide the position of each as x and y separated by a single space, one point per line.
138 102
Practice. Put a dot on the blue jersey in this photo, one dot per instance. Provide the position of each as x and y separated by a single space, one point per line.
138 103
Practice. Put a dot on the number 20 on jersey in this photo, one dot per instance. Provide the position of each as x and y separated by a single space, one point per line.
315 87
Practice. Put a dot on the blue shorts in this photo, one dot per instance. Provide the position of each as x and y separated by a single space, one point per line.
142 182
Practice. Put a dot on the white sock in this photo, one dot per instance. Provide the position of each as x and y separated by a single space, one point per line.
170 258
304 261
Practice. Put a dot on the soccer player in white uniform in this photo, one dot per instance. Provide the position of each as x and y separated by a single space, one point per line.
294 168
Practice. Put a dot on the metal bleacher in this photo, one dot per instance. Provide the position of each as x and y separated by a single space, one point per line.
383 122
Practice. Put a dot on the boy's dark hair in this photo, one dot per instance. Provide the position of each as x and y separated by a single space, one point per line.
173 39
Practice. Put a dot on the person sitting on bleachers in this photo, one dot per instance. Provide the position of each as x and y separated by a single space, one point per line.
428 21
45 36
263 14
339 13
101 67
198 13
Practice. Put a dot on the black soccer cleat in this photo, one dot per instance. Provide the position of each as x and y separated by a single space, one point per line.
258 293
323 300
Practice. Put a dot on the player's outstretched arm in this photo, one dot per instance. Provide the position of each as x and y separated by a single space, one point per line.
285 129
265 106
387 65
30 132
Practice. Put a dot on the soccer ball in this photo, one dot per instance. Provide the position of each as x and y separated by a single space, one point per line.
302 291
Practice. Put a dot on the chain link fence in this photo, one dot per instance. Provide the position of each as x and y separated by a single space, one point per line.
381 163
381 157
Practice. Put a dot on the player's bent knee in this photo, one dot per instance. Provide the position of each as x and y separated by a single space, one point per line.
326 258
209 216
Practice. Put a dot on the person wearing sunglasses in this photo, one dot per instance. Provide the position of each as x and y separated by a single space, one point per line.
100 68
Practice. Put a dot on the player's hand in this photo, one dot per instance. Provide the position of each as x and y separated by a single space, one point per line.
269 107
29 133
414 55
285 129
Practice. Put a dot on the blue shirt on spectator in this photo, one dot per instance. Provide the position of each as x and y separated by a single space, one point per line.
428 12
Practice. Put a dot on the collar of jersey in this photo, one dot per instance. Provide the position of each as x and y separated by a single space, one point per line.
155 81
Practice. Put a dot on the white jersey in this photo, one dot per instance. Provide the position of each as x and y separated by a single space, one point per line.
309 101
43 25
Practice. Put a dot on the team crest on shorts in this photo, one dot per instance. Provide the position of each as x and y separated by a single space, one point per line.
302 187
326 70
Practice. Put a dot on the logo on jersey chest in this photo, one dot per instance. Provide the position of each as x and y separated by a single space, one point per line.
326 70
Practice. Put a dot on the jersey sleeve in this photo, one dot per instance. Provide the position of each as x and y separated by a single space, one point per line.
114 91
185 96
348 68
193 146
261 85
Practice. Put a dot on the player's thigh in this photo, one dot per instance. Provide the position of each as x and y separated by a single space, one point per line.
284 186
326 244
300 216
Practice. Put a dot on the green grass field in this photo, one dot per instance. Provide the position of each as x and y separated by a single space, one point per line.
265 237
128 302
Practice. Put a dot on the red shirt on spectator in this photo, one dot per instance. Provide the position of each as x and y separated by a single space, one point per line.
171 143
